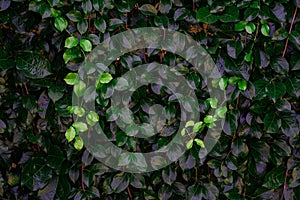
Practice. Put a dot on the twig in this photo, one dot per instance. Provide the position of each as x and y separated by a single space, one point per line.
291 26
82 183
129 193
285 182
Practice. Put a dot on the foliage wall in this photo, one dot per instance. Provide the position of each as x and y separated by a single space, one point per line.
256 46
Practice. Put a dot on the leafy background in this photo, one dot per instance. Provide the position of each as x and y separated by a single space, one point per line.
255 45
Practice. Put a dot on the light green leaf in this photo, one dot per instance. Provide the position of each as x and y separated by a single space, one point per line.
71 78
60 23
265 30
189 144
86 45
71 42
70 134
199 143
242 85
105 78
79 88
92 118
80 126
78 144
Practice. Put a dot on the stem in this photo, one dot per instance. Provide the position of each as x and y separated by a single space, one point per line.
129 193
291 26
285 182
82 183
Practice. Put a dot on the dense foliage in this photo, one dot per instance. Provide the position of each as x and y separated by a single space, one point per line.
256 46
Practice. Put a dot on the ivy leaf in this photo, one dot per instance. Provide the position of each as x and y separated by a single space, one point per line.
79 88
71 42
231 14
280 65
250 27
275 90
56 92
82 26
78 144
33 65
70 134
86 45
272 123
105 78
289 125
204 15
242 85
80 126
293 87
60 23
100 24
234 48
265 30
221 112
71 78
148 9
92 118
38 178
240 26
275 178
74 15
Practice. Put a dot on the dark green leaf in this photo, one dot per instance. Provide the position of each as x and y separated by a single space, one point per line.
275 178
231 14
272 123
204 15
33 65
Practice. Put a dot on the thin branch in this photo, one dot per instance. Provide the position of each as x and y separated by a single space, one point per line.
82 183
285 183
291 26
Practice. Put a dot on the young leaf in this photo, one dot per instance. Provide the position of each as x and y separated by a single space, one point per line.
265 30
86 45
80 126
105 78
60 23
79 88
71 78
71 42
189 145
78 144
92 118
70 134
242 85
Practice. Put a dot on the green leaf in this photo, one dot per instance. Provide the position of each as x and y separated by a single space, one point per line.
275 178
105 78
242 85
234 48
280 65
70 134
289 124
60 23
265 30
82 26
204 15
223 83
56 92
221 112
77 110
209 119
213 102
181 14
200 143
189 144
80 126
250 14
79 88
71 54
148 9
33 65
293 87
38 178
86 45
248 57
238 147
78 144
71 78
250 27
231 14
189 123
275 90
100 24
240 26
165 6
71 42
233 80
41 7
92 118
198 127
271 123
74 15
260 89
55 157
